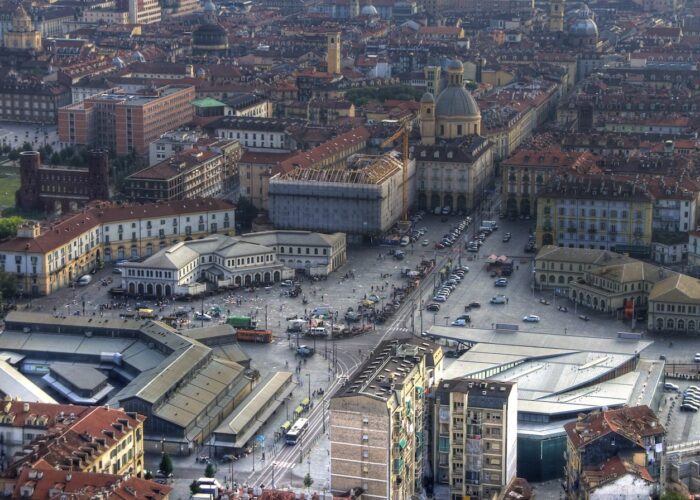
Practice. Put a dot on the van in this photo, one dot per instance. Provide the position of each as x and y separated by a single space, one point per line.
405 241
318 331
85 280
212 481
668 386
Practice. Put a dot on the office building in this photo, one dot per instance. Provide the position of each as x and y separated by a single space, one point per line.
377 419
144 11
475 436
126 122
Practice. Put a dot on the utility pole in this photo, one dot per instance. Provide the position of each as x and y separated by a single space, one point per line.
265 316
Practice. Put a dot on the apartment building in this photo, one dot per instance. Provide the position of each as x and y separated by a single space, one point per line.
31 101
126 122
525 174
207 170
377 421
475 436
87 439
173 142
54 254
604 447
673 305
595 212
144 11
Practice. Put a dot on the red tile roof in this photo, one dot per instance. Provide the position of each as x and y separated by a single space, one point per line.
57 233
634 423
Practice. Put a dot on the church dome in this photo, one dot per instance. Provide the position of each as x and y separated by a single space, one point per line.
456 101
210 37
427 97
369 10
584 28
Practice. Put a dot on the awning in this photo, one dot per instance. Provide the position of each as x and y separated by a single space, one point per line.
299 409
403 443
305 402
286 426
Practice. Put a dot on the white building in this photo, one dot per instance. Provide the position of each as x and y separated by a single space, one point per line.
144 11
172 143
222 260
257 134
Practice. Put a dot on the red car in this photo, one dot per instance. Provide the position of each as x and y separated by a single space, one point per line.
439 246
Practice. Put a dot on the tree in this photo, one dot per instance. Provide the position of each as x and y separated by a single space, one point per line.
166 465
27 146
55 159
672 495
308 481
9 225
245 212
194 487
13 155
8 286
210 470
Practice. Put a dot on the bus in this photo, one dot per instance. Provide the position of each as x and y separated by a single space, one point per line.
296 431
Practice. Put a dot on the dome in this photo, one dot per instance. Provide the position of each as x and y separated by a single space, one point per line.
455 65
456 101
210 37
584 28
369 10
427 97
209 6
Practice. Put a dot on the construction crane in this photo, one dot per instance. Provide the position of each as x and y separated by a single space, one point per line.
402 133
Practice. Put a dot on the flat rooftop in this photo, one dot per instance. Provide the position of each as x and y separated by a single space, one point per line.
81 377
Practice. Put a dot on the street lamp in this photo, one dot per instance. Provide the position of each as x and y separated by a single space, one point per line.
308 376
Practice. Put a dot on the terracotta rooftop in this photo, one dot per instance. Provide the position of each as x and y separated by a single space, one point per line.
634 423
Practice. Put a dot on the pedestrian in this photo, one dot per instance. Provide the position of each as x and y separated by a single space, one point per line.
506 300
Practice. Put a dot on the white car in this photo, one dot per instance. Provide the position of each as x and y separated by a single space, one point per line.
531 318
425 243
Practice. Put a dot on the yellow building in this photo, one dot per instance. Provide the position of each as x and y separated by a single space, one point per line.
22 35
595 212
49 256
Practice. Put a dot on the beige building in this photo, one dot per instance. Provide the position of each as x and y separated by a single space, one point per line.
454 174
622 289
54 254
674 305
377 436
475 436
558 267
22 34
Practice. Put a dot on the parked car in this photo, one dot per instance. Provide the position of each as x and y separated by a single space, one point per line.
498 299
501 282
433 307
506 237
474 305
531 318
668 386
425 243
459 322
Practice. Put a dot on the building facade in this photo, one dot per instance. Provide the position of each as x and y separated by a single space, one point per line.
202 172
475 436
31 101
454 174
255 258
377 434
595 213
674 306
126 123
53 255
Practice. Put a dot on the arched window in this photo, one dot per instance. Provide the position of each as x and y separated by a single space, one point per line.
681 324
669 324
660 324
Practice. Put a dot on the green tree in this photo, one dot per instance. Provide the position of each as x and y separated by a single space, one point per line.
55 159
8 286
13 155
308 481
245 212
672 495
166 464
27 146
9 225
210 470
194 487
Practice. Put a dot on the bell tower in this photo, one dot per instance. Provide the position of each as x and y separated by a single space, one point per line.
427 119
333 58
556 15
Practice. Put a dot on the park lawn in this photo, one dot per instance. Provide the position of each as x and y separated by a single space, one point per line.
9 184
